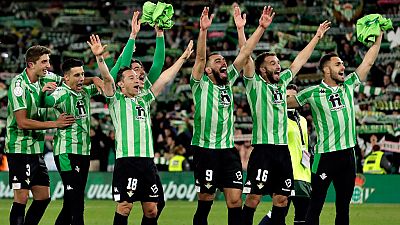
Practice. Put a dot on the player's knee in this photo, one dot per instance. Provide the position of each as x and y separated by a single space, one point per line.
150 212
280 200
21 196
206 197
252 201
124 208
234 202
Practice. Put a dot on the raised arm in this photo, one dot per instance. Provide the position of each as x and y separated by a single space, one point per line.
170 73
159 57
240 22
98 49
369 59
305 54
201 57
125 58
265 20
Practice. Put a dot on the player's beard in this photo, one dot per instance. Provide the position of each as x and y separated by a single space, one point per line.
218 79
270 76
335 78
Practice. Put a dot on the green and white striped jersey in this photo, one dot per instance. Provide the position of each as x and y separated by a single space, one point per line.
333 113
213 117
268 108
132 124
24 95
74 139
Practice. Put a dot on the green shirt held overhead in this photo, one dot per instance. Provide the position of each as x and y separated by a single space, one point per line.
333 113
268 108
213 117
132 124
24 95
74 139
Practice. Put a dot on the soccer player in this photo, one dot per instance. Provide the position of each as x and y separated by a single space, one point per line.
332 107
135 176
72 144
217 162
298 147
145 79
25 137
269 170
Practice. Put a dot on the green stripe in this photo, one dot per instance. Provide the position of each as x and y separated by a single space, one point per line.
317 158
197 115
322 140
346 119
207 127
136 131
65 164
336 125
68 130
219 128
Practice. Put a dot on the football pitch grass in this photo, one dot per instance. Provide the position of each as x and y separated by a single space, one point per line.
181 212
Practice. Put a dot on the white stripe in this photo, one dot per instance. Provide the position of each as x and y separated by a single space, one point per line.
130 131
214 117
203 111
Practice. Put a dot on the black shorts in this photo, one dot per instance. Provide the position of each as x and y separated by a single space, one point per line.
27 170
269 171
217 168
136 179
74 170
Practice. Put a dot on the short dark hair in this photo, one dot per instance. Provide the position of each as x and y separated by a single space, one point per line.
137 61
211 54
120 75
260 59
292 87
70 63
35 52
324 59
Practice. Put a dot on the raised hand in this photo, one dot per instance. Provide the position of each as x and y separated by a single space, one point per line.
95 45
266 17
189 50
237 16
135 24
323 28
64 120
49 86
205 21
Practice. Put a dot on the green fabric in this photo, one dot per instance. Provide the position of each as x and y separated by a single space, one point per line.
158 60
124 60
369 27
65 163
160 14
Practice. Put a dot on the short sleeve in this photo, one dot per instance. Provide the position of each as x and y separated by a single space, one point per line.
92 90
52 77
233 74
16 95
303 96
286 77
148 96
352 79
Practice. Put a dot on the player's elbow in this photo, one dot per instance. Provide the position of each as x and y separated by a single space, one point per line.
21 124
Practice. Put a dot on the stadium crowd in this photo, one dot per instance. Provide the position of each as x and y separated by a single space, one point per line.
63 26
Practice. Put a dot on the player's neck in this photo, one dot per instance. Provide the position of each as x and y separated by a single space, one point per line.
330 82
31 75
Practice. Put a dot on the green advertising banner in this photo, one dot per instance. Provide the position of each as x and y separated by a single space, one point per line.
368 189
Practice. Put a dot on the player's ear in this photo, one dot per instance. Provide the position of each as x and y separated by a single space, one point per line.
30 64
208 70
